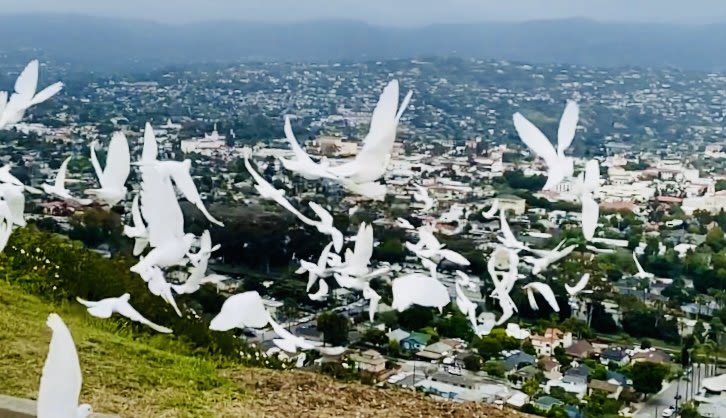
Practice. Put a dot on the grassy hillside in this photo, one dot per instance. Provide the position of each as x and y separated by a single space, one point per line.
135 375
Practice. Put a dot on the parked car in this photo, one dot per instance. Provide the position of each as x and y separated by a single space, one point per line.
668 412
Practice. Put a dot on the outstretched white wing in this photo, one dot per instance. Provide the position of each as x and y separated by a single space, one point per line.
504 226
151 149
300 154
125 309
579 287
546 292
568 126
27 83
590 215
60 384
592 176
118 162
182 178
46 93
60 177
535 139
96 165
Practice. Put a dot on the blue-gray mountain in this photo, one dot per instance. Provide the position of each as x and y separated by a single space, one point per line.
115 44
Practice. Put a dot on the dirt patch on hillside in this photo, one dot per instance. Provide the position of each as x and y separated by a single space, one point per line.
305 394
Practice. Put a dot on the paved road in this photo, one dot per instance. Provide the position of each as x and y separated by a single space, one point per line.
657 403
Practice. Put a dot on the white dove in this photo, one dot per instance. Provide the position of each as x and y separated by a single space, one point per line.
508 238
160 209
158 286
541 264
465 305
559 166
544 290
290 342
205 250
325 225
357 263
113 177
59 189
104 308
371 162
315 271
241 311
322 292
303 164
25 96
422 195
418 289
60 383
579 287
267 191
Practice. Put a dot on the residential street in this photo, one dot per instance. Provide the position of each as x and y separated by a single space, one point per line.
654 406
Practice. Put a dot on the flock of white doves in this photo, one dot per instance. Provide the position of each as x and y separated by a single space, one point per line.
157 223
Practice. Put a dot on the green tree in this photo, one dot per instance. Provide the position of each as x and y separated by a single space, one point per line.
528 348
487 346
648 377
334 327
473 362
530 387
494 368
394 348
689 410
375 337
715 238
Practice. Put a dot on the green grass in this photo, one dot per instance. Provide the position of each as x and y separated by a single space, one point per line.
124 372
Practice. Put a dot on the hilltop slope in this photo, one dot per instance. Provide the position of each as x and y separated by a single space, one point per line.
137 376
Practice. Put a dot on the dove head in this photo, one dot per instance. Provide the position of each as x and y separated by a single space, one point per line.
125 297
84 411
188 240
537 268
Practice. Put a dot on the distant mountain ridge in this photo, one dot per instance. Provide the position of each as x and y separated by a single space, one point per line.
113 44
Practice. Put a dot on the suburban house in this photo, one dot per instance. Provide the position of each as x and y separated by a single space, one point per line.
510 202
416 341
517 359
580 349
577 375
550 367
545 403
545 344
370 361
615 355
653 355
435 351
611 390
397 335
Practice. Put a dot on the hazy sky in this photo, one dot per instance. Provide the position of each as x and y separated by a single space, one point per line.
386 12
